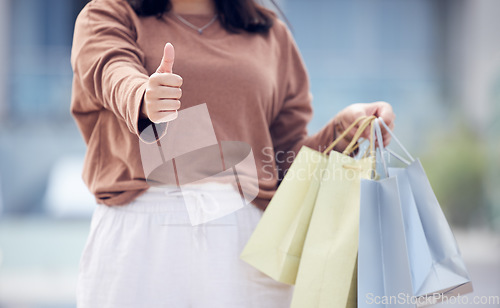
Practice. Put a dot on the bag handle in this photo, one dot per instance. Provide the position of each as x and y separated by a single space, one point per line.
367 120
397 156
344 133
380 142
370 150
352 145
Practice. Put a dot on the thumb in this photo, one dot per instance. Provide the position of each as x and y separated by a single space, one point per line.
168 59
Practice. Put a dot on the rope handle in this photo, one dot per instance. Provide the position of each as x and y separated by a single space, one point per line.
401 146
381 147
370 151
366 121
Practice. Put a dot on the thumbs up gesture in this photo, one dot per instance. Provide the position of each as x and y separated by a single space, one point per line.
161 100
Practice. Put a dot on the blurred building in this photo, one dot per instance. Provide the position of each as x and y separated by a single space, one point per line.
36 129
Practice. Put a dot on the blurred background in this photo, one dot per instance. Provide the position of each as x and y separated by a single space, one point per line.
436 61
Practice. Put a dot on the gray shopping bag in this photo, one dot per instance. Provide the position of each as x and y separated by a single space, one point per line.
383 264
445 271
417 259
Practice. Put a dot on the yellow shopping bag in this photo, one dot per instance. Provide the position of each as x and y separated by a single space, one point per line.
276 245
327 272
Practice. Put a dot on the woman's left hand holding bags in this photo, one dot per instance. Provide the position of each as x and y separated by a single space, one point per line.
352 112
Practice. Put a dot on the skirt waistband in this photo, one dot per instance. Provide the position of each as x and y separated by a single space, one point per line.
172 198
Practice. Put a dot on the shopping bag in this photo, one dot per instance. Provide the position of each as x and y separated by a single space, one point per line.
327 272
407 253
275 247
383 267
276 244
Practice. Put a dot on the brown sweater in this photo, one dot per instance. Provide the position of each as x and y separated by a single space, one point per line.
255 86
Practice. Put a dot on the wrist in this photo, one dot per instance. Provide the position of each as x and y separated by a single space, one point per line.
142 110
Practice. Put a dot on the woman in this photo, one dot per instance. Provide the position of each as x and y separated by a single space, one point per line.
240 60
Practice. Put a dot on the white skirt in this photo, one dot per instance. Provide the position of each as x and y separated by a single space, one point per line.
148 254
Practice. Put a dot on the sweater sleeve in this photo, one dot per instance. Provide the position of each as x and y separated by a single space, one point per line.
108 64
289 128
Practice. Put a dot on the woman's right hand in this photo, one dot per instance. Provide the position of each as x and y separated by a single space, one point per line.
161 100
